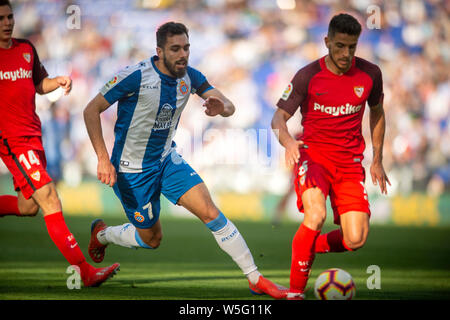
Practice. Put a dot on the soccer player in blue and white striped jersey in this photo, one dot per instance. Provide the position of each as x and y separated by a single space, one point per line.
144 163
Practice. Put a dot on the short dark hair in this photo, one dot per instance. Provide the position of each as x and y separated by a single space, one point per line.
344 23
5 3
167 30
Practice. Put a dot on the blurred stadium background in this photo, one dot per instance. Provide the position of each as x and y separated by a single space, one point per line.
250 50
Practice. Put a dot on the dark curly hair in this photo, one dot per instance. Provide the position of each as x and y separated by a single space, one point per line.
167 30
344 23
5 3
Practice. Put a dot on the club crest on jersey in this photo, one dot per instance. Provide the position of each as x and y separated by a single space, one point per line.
359 90
138 217
36 175
287 92
183 87
27 57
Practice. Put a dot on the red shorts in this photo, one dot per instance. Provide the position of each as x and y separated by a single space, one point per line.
25 159
344 184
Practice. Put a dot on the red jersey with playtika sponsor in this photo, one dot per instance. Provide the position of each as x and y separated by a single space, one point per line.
332 106
20 72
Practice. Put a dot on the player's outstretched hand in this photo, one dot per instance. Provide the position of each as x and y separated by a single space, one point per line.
106 172
214 106
292 152
65 82
379 176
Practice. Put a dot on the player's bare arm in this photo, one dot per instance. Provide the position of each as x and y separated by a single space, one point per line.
48 85
279 127
377 129
106 172
217 104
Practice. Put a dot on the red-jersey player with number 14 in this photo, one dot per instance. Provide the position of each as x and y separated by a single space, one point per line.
21 76
332 93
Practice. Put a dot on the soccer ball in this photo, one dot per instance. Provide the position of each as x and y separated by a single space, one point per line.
334 284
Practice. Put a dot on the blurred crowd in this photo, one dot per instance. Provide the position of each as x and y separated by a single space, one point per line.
250 50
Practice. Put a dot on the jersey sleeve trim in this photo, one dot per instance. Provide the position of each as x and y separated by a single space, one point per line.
203 88
199 82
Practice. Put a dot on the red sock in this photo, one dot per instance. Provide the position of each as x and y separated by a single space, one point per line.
302 257
9 206
65 241
331 242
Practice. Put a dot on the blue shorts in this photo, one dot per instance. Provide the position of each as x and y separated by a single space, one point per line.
140 193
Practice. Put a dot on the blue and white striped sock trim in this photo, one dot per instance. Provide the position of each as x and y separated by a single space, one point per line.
218 223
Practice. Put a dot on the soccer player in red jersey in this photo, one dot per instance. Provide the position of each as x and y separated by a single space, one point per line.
332 93
21 76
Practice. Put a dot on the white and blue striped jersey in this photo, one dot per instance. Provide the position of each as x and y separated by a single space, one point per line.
149 108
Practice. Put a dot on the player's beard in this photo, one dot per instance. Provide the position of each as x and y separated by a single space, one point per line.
344 69
172 68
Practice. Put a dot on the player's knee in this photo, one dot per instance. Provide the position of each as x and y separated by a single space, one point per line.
316 218
30 211
49 195
211 214
154 241
53 198
28 208
355 242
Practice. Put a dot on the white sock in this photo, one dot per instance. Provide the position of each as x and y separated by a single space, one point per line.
123 235
232 242
253 276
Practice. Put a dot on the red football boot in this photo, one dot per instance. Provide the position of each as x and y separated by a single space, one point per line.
99 275
265 286
96 249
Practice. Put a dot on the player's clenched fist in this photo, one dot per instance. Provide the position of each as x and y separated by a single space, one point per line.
106 172
65 83
214 106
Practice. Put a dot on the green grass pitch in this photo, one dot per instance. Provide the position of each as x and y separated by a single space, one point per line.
414 262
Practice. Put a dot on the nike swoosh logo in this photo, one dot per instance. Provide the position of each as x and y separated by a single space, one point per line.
320 93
